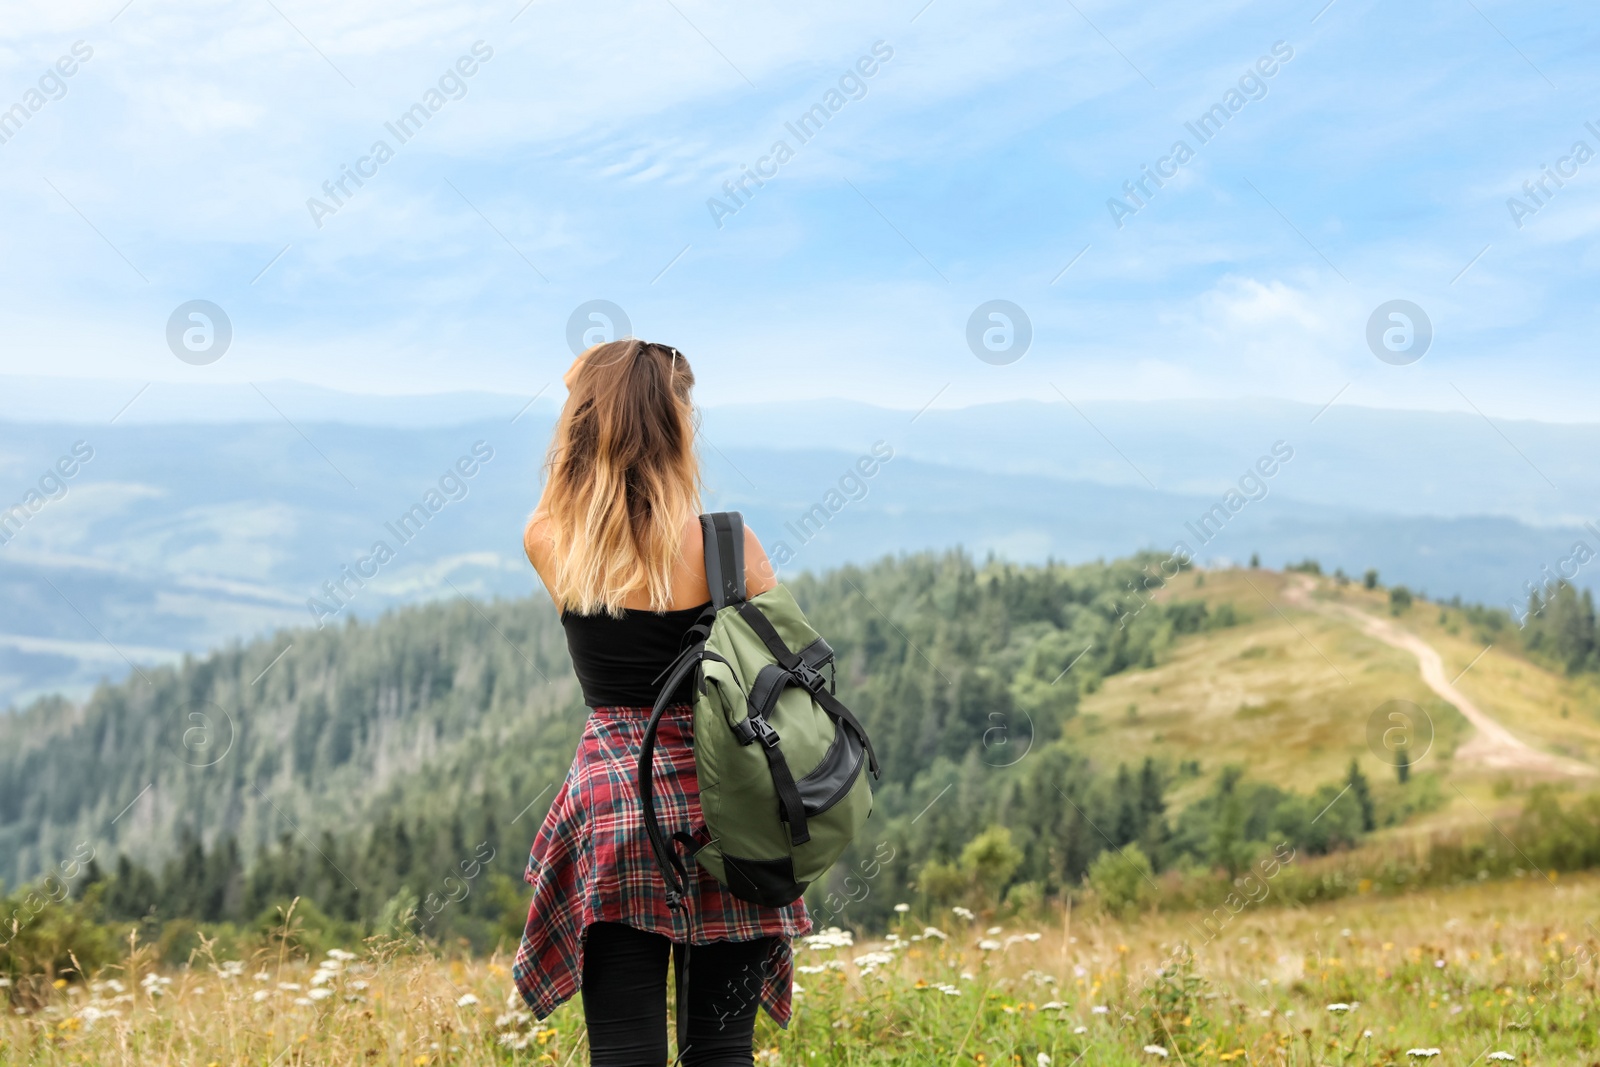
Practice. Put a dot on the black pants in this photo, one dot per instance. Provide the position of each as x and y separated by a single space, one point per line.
625 998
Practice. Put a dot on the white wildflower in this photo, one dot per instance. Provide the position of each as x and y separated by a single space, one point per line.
290 987
1156 1050
304 1002
1508 1057
263 976
832 937
1043 1059
963 913
968 976
1339 1008
992 930
902 908
358 985
341 955
1422 1053
321 978
1032 937
1051 1004
934 931
1080 1029
320 994
1100 1009
466 1001
989 944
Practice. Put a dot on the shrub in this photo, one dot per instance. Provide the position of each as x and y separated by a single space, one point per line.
1121 880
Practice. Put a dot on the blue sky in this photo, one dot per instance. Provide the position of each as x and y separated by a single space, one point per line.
976 166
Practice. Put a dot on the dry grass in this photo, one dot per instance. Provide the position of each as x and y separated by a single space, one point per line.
1456 970
1288 695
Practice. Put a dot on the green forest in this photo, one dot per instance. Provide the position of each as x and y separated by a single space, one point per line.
392 773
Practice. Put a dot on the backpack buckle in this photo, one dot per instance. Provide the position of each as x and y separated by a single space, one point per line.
763 731
810 677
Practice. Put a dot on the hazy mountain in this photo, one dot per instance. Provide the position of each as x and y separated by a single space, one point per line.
227 516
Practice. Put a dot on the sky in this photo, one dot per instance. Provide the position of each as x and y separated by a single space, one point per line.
984 158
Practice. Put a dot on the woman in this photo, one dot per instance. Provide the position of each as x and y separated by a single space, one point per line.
616 540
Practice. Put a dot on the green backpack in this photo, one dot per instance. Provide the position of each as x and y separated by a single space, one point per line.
778 757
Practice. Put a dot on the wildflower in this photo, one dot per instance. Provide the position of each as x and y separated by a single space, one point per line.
989 944
1100 1009
832 937
1422 1053
872 961
1438 963
967 976
261 994
341 955
1156 1050
263 976
1080 1029
290 987
1031 937
466 1001
963 913
992 930
1339 1008
1043 1059
320 994
1366 1033
902 908
1508 1057
358 985
934 931
1051 1004
304 1002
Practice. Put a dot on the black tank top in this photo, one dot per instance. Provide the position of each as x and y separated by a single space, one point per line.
617 659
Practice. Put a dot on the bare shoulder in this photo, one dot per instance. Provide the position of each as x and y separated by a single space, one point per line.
536 537
536 545
759 575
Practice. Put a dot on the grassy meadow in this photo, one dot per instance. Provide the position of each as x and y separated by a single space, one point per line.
1481 973
1459 929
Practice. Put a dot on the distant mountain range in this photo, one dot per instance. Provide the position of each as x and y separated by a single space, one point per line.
209 513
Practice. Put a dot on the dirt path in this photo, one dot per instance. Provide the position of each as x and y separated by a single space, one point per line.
1492 746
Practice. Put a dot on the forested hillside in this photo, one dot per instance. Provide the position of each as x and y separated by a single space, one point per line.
369 765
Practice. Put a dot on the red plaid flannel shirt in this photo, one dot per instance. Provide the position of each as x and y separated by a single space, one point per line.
592 862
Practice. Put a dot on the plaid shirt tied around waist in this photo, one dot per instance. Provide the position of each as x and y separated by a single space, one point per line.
592 862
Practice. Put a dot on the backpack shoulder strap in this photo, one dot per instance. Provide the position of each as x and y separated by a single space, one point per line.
723 533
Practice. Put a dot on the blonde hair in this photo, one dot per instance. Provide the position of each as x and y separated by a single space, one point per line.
621 477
